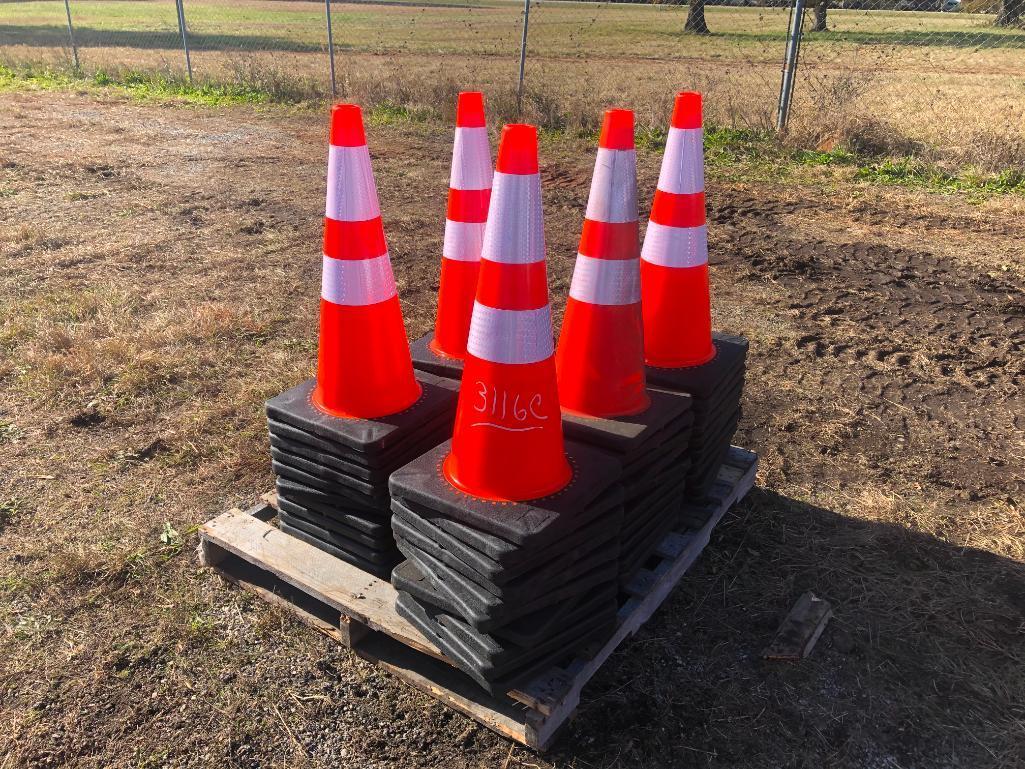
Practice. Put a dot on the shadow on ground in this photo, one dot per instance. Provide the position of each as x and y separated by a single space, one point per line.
89 37
920 666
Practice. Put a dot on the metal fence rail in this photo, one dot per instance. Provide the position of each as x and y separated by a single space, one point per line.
945 77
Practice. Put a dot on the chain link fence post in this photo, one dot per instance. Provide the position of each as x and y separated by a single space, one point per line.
523 56
331 47
793 52
180 5
71 34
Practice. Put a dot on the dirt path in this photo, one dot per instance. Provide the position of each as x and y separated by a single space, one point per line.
160 272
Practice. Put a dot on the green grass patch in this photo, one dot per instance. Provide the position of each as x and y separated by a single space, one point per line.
391 114
909 172
832 158
144 86
913 172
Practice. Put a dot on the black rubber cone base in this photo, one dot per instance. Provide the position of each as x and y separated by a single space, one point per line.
435 431
630 435
645 548
714 424
509 554
711 421
703 451
658 504
330 474
381 570
571 547
482 609
368 437
426 359
381 551
494 682
348 502
705 380
492 659
701 480
476 589
373 475
723 432
525 630
498 649
727 392
644 538
536 523
674 437
663 469
650 507
335 519
379 500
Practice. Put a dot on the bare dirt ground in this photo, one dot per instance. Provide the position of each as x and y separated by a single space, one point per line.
160 269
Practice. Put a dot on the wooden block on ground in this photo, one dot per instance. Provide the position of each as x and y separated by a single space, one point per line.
800 630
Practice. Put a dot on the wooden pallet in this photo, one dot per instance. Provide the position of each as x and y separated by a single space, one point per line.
357 609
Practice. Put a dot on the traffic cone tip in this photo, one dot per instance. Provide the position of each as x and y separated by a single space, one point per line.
347 126
517 152
470 110
617 130
687 110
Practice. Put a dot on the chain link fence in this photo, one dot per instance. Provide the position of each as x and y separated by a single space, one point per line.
940 78
915 77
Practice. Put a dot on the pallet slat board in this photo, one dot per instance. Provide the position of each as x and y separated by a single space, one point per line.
357 609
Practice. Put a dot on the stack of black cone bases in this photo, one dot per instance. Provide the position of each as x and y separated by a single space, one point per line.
652 448
426 358
506 589
716 388
332 472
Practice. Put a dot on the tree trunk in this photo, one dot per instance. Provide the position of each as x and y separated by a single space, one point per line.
1010 13
820 16
696 17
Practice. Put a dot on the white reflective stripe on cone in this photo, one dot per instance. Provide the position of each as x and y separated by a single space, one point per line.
463 241
351 192
510 336
515 232
357 282
471 160
683 164
613 195
606 281
675 246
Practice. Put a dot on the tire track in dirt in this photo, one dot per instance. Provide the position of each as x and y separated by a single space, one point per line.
922 353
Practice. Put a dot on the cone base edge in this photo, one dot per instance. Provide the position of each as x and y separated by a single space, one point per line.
706 358
317 400
611 415
448 475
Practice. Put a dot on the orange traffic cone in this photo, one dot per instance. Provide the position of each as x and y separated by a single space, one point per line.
468 195
364 368
600 358
674 259
507 443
